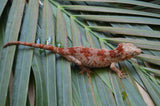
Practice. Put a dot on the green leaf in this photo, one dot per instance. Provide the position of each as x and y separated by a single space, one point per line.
41 92
127 31
48 60
119 91
2 5
2 33
76 34
146 44
63 66
120 19
103 92
139 3
7 54
154 71
24 55
130 87
108 10
151 87
150 58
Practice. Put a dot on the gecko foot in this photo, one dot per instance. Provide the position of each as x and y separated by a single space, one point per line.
86 70
121 75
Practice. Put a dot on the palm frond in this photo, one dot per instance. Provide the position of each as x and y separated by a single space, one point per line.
89 23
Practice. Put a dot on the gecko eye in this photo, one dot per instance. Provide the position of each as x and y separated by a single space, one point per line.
134 54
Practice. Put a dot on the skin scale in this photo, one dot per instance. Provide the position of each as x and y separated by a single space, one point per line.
90 57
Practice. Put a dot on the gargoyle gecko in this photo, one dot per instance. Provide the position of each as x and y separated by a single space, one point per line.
90 57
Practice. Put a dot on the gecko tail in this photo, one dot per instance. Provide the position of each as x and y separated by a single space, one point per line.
42 46
11 43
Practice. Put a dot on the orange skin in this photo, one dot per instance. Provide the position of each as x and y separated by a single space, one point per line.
90 57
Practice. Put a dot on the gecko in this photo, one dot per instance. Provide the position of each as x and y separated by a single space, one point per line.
87 58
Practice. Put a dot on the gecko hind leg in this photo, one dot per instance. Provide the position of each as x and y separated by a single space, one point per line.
77 62
84 69
72 59
119 73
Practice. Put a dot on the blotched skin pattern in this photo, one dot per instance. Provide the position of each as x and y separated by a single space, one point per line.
90 57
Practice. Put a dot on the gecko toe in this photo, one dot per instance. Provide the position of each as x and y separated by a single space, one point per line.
82 71
122 75
88 74
88 71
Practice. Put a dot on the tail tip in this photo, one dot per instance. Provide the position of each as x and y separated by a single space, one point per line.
4 46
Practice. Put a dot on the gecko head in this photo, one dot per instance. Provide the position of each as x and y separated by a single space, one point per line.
127 51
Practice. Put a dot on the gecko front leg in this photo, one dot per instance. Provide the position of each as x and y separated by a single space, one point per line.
77 62
119 73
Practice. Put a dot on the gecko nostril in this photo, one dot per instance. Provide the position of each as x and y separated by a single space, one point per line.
140 51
